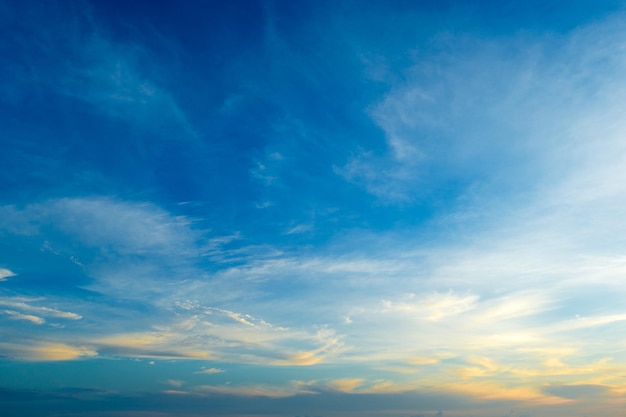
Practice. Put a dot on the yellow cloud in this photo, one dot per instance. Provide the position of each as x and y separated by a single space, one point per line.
423 360
270 391
482 367
303 358
345 384
494 391
555 366
381 386
47 351
210 371
152 344
62 352
431 360
485 362
315 356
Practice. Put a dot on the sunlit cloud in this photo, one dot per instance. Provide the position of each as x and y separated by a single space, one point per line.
345 384
210 371
494 391
269 391
47 351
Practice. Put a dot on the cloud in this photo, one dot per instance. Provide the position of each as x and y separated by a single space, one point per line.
71 54
345 384
125 227
23 305
109 240
103 222
6 273
580 391
221 335
483 116
19 316
379 177
210 371
495 391
175 382
433 307
331 346
300 228
269 391
113 83
433 359
516 305
155 344
47 351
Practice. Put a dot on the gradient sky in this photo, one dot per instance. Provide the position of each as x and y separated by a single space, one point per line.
313 208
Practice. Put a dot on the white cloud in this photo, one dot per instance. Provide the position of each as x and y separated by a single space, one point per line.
124 227
502 115
19 316
129 238
210 371
6 273
23 305
433 307
515 305
300 228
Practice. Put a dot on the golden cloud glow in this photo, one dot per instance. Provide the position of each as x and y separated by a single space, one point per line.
494 391
345 384
47 351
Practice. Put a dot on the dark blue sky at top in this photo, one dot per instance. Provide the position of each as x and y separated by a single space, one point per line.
285 66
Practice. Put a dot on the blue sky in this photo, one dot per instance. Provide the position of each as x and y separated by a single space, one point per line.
312 208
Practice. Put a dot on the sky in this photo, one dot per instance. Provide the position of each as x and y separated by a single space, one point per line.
312 208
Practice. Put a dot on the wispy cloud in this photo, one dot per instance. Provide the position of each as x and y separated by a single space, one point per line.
345 384
6 273
25 306
221 335
175 382
46 351
269 391
210 371
72 54
19 316
433 306
132 236
442 118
